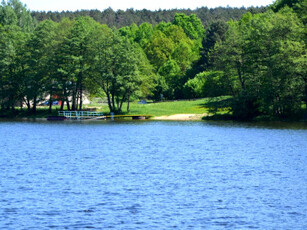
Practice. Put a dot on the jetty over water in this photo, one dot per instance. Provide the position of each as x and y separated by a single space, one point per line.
81 115
87 115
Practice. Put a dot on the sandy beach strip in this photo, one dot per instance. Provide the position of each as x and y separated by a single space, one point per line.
180 117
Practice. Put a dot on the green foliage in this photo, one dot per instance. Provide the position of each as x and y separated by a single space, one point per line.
170 74
9 66
159 50
144 34
8 16
207 84
214 34
13 39
193 88
172 53
262 55
244 106
298 6
260 59
13 12
121 18
192 25
77 56
38 72
129 31
300 9
116 69
279 4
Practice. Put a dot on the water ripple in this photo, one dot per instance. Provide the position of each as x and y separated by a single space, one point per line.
152 175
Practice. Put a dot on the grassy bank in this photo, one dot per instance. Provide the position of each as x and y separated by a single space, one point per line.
217 108
219 105
199 106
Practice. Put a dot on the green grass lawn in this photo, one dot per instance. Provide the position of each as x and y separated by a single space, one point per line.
217 105
199 106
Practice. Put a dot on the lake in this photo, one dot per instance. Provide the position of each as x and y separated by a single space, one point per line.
152 175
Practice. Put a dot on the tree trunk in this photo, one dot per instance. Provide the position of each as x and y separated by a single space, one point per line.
128 104
109 102
50 106
107 92
81 101
65 99
28 105
50 102
80 87
34 104
121 103
73 106
113 102
117 103
21 104
62 105
240 76
77 101
67 103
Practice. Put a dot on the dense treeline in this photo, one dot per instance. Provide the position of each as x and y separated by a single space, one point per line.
122 18
260 60
263 60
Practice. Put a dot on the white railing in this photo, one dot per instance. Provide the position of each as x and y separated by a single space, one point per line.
80 114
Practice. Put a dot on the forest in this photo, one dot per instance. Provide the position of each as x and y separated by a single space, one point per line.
122 18
257 56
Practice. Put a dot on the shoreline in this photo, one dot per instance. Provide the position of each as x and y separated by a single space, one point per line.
177 117
180 117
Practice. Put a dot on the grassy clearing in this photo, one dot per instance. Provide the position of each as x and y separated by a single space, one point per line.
217 105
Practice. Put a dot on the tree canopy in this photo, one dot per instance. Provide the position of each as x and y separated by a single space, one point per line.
258 57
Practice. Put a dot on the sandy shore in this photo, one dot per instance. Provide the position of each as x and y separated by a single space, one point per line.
180 117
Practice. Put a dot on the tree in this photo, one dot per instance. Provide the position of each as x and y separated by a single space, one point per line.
129 32
263 55
61 60
215 33
192 25
171 75
16 24
172 53
159 50
207 84
279 4
77 56
11 46
7 16
39 72
144 34
121 18
279 39
22 16
230 55
116 68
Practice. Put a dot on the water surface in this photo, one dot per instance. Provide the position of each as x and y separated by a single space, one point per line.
152 175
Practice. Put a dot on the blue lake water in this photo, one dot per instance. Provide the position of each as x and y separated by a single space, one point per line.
152 175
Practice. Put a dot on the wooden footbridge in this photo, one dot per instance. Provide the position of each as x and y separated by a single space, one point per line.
87 115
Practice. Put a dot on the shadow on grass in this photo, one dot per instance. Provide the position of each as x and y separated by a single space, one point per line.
219 108
215 105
